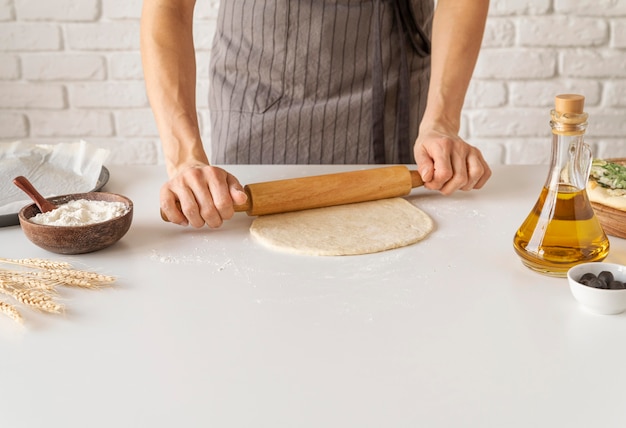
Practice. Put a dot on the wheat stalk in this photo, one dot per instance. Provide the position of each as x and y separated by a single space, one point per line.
27 280
38 300
74 277
38 263
50 279
54 273
34 284
11 311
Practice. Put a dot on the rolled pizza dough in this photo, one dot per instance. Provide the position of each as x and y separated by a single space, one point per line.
352 229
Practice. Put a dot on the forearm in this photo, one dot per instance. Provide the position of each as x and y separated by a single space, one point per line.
168 58
458 27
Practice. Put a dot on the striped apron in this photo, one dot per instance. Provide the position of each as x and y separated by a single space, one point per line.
318 81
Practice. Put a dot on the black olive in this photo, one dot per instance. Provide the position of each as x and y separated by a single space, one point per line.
605 280
606 276
586 277
597 283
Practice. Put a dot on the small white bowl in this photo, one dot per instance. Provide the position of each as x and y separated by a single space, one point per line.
596 300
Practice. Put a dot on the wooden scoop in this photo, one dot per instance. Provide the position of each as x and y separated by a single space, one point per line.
327 190
28 188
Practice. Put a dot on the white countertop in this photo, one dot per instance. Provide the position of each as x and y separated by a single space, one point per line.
206 328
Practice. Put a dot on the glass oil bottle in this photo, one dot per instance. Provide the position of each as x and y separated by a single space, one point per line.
562 229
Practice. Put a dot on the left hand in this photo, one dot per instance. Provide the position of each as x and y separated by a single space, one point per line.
447 163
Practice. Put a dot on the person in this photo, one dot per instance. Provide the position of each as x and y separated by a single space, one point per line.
317 82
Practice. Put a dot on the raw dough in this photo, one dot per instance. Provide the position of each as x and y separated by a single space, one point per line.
361 228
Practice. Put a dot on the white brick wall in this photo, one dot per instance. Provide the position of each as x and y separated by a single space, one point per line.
535 49
72 70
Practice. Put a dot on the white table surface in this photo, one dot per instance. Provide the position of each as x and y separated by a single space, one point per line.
206 328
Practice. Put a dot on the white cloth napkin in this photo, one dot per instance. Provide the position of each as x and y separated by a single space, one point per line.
54 169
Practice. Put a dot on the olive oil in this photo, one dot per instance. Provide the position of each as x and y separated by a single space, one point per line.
560 231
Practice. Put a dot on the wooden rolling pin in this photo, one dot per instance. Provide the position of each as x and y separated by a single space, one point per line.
296 194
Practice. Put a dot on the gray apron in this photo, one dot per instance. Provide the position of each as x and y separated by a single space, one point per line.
318 81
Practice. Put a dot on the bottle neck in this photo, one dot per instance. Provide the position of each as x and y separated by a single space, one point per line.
568 124
571 159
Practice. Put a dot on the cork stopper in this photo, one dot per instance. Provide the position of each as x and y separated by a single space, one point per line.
569 103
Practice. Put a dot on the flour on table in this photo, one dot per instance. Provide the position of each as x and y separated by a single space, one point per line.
352 229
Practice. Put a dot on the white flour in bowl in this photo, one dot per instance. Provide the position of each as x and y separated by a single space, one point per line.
81 212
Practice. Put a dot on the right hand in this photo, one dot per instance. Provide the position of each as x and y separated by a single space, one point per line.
206 195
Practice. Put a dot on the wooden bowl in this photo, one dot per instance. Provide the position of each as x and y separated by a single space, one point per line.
613 221
77 239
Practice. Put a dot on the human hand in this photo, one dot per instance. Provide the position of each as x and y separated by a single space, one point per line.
205 195
447 163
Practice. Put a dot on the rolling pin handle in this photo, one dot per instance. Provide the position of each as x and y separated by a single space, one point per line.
238 208
416 179
245 207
